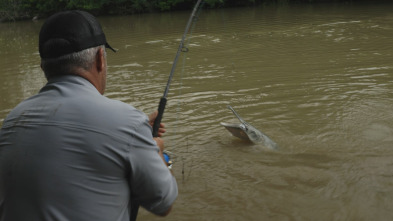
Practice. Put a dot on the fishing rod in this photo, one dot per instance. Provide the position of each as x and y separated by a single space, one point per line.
163 100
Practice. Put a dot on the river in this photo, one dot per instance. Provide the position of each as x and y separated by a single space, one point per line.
317 79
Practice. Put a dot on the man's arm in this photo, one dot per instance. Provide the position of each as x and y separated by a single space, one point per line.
152 183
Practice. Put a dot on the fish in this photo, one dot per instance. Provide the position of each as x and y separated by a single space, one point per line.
246 131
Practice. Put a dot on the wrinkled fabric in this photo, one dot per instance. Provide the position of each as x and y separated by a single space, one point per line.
69 153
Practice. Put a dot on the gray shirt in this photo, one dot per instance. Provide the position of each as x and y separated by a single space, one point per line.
69 153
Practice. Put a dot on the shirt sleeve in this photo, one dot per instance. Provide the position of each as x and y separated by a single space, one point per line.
152 184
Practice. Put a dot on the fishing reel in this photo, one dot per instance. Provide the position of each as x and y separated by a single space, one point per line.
168 159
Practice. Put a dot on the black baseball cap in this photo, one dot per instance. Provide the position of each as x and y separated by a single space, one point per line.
68 32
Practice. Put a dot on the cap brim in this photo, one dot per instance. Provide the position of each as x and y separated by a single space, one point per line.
108 46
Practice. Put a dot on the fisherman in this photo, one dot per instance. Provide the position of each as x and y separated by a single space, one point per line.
69 153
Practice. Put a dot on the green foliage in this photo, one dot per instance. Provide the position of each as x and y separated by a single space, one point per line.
10 9
214 3
85 4
19 9
167 5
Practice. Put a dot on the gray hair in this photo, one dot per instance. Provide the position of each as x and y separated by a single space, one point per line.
66 64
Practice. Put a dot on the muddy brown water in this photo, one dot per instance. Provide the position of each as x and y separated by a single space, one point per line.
317 79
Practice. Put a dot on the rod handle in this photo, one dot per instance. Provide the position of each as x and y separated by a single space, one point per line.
157 121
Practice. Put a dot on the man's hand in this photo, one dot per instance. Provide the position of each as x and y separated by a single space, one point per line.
161 131
152 118
160 144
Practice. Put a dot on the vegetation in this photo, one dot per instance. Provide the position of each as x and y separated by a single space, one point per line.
23 9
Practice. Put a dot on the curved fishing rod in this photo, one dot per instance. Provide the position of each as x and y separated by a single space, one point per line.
163 100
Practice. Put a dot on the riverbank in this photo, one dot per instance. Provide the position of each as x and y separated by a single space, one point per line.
15 10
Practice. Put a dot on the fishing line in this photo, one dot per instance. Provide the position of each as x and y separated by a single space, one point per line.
185 49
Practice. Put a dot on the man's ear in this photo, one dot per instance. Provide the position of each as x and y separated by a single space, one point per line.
100 60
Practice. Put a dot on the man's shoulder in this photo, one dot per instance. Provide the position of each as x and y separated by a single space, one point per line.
119 111
119 107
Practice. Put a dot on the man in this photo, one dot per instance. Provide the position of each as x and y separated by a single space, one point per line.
69 153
